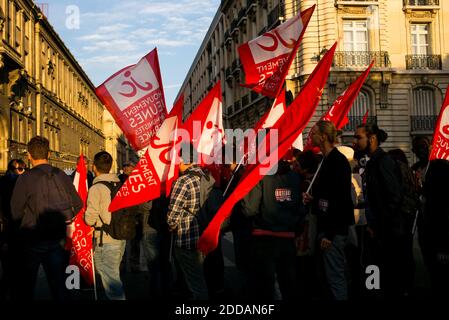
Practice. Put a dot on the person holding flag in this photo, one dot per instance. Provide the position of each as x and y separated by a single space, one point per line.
332 203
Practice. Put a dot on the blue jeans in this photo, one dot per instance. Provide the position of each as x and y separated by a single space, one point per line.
335 267
191 264
107 264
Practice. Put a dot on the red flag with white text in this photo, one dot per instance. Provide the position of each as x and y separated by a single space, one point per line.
288 128
267 59
148 179
135 98
80 241
440 142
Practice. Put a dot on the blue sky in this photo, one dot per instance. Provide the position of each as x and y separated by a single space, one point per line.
113 34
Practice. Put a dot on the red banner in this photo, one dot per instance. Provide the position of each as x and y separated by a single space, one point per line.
267 59
338 113
289 126
135 98
80 241
147 180
440 143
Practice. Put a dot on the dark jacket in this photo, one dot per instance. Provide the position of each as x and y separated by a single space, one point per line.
275 202
384 193
33 205
332 201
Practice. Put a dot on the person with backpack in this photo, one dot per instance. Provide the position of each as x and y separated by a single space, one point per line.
383 192
43 203
184 221
109 250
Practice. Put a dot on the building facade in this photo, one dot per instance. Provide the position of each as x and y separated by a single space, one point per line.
44 91
408 40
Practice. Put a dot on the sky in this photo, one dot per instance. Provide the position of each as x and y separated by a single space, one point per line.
110 35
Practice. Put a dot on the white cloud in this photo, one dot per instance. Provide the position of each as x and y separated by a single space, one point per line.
168 42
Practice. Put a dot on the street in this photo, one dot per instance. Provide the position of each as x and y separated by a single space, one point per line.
136 283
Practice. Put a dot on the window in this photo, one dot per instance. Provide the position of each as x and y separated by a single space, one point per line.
355 35
423 113
362 104
420 39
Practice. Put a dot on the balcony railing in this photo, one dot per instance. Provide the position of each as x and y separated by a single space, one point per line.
350 59
423 61
421 3
237 106
254 96
355 121
423 123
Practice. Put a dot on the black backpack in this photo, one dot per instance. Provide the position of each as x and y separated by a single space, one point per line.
123 222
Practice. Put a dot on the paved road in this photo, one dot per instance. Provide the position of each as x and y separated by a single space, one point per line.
136 283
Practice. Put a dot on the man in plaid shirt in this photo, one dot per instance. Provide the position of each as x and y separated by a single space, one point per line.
182 220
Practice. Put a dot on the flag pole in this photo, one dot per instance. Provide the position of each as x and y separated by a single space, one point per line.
93 273
233 174
314 177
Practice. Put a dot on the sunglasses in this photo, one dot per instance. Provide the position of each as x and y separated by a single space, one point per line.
20 169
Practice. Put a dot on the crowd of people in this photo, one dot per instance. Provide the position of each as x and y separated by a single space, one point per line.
310 229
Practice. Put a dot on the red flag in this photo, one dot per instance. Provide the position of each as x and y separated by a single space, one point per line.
440 142
147 180
173 172
267 59
80 242
135 98
274 114
288 127
205 126
266 121
338 113
365 117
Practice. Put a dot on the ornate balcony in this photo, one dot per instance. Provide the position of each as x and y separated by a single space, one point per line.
423 123
423 61
351 59
408 3
355 121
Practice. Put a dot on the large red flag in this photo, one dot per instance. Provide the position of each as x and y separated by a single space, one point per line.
288 128
205 127
440 142
365 117
80 242
338 113
147 180
248 145
135 98
267 59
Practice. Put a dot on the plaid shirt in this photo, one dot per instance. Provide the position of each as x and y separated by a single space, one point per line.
183 209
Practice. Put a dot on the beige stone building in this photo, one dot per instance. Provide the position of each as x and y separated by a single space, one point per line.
44 91
408 39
